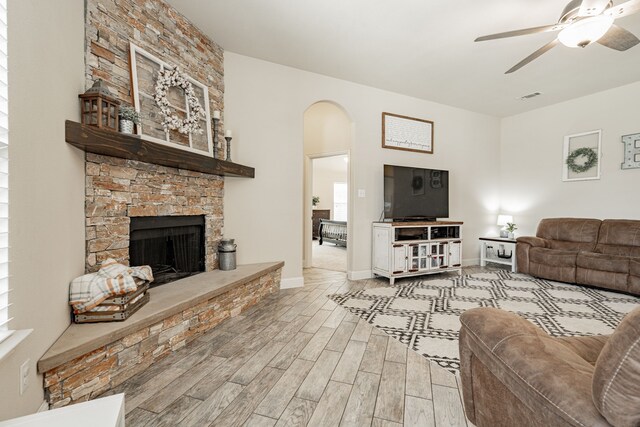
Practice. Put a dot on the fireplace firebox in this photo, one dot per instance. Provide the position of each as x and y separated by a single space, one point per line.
172 245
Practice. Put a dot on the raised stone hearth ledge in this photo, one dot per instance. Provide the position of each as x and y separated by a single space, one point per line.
89 359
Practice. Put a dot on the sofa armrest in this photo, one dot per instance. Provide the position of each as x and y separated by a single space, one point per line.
487 326
542 373
493 326
533 241
523 245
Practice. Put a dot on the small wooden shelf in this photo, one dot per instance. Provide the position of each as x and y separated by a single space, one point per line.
115 144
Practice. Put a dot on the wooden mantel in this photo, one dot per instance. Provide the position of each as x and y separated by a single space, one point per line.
115 144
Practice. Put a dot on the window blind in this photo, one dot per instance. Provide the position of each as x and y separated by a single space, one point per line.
4 179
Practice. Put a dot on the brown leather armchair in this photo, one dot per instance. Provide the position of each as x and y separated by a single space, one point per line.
513 373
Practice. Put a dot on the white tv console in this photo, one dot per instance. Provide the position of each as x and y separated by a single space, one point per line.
404 249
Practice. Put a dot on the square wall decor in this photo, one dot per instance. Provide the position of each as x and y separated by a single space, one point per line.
581 156
145 71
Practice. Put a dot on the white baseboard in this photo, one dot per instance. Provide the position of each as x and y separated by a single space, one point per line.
44 406
359 275
292 282
470 261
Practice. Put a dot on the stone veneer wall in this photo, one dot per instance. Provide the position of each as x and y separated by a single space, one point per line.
156 27
96 372
117 189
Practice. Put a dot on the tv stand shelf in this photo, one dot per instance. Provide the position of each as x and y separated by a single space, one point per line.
405 249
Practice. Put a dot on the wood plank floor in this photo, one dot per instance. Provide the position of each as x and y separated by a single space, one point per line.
296 359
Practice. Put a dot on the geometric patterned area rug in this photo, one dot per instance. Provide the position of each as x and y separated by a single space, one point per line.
424 314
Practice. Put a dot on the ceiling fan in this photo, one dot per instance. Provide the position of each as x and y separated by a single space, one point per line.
581 23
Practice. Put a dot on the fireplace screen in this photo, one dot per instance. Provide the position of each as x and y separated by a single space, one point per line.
172 245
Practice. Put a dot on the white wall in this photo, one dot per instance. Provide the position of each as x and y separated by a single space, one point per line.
327 129
265 103
327 171
531 157
46 229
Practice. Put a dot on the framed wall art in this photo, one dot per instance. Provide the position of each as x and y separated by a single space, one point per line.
173 107
407 133
581 156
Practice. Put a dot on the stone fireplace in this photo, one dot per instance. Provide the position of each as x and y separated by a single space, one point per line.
118 190
130 204
172 245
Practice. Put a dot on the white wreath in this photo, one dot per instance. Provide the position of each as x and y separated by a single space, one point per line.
173 77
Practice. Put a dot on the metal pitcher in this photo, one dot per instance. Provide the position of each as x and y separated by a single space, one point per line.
227 254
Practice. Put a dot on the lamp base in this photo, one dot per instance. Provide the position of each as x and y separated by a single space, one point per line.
504 233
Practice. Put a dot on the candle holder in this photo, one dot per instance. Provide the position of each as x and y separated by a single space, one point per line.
215 137
228 138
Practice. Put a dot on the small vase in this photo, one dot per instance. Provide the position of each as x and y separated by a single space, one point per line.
511 236
126 126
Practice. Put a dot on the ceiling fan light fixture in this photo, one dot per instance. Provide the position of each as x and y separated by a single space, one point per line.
585 31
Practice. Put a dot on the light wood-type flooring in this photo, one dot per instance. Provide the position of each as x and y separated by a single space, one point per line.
296 359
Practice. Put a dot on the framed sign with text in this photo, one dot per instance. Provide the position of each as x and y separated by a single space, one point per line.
407 133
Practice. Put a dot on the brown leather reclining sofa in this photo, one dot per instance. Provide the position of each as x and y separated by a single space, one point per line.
602 253
514 374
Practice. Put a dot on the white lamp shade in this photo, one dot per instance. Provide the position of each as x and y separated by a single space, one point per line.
585 31
504 219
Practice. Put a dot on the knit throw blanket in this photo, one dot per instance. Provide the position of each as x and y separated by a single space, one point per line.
113 279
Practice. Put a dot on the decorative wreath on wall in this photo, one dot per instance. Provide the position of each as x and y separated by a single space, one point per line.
591 159
172 77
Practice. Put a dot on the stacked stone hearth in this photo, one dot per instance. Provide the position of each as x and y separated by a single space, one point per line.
106 366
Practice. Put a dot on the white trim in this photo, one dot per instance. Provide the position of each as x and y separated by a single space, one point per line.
470 261
9 345
323 155
359 275
8 338
44 406
307 232
292 282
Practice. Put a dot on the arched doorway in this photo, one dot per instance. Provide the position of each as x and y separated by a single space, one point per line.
328 134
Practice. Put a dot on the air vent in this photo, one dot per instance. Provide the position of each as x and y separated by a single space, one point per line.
531 95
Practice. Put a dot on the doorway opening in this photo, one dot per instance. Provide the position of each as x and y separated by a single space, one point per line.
328 132
330 212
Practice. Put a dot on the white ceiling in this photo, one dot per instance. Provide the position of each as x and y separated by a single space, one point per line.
421 48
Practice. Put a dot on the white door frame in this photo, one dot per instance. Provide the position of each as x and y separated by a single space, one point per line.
307 252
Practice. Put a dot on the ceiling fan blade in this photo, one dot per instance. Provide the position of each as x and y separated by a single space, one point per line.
618 38
523 32
627 8
547 47
592 7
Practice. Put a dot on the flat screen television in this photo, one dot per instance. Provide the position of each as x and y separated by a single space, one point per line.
415 193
